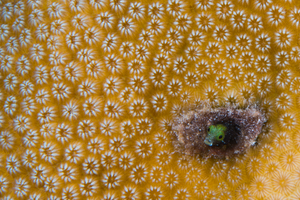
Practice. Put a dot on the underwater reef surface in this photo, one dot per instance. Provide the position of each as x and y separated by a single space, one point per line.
89 90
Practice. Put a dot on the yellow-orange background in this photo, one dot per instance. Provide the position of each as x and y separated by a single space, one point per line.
89 88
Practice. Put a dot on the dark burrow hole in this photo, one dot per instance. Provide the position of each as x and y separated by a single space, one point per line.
232 133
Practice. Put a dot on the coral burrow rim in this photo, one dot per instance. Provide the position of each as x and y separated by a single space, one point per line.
242 129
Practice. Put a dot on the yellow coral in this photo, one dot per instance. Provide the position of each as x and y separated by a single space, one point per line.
89 88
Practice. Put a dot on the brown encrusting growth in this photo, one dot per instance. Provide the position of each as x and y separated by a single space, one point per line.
191 127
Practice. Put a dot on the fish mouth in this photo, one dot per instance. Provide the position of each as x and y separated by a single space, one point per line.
208 142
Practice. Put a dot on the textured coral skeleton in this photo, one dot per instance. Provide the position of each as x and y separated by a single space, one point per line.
220 132
89 89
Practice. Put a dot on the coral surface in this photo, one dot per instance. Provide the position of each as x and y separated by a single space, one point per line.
89 89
